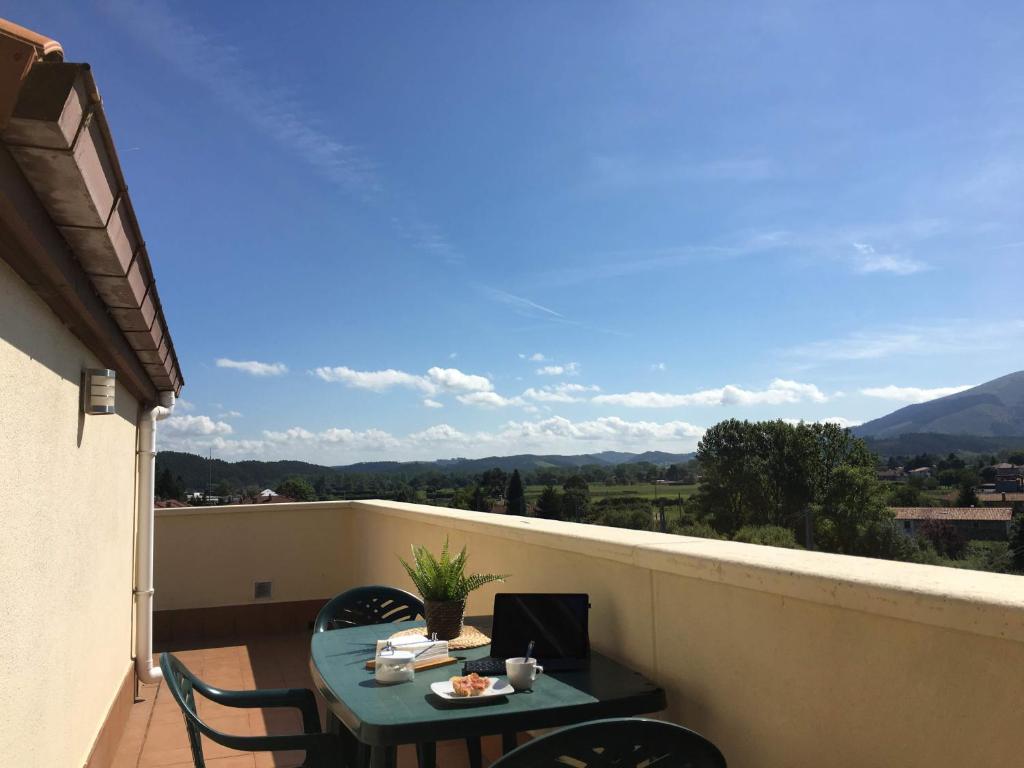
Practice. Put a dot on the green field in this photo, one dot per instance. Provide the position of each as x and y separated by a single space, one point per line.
600 491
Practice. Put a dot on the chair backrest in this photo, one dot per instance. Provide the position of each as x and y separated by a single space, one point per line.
363 606
622 743
182 683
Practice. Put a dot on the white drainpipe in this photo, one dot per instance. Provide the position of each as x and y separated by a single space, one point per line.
144 669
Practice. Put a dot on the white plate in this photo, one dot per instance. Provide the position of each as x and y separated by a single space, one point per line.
498 687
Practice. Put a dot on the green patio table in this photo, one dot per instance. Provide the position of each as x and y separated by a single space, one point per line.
382 717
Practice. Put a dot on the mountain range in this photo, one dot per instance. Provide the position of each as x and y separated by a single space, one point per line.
992 409
195 471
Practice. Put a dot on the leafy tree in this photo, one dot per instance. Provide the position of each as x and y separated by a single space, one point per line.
297 488
905 495
635 517
944 536
169 487
699 529
549 505
768 535
515 496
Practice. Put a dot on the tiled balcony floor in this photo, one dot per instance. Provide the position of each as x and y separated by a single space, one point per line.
155 735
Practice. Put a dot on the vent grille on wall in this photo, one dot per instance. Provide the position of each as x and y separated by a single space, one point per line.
262 590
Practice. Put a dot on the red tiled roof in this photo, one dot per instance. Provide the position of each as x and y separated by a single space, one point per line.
999 514
999 497
168 503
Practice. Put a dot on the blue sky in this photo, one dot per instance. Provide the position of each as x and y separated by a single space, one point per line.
412 230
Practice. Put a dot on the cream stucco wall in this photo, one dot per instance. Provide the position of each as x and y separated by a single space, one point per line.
67 508
784 658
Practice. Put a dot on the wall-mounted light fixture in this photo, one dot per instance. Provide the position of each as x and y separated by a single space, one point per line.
98 394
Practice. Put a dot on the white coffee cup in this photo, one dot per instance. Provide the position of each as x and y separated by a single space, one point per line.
522 672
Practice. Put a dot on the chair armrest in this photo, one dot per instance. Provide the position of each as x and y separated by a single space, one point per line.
301 699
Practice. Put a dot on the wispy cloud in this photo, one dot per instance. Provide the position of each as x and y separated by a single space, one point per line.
521 304
912 394
536 357
563 392
660 367
778 392
940 338
870 261
628 172
427 237
253 367
220 67
431 403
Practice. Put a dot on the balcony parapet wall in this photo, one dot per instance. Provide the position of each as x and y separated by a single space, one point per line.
782 657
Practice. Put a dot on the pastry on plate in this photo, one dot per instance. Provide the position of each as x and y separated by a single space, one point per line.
469 685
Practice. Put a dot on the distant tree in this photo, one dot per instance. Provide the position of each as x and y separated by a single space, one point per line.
549 505
1017 543
480 501
967 497
164 486
462 498
515 496
297 488
493 482
904 495
576 499
320 486
988 474
944 536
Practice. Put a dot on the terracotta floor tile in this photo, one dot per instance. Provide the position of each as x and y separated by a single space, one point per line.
164 757
161 736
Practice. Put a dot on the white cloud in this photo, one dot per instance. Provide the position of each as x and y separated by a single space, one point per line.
536 357
837 420
435 381
253 367
195 426
376 381
186 406
779 392
912 394
439 433
430 403
568 369
454 380
659 367
335 445
610 429
488 400
229 415
563 392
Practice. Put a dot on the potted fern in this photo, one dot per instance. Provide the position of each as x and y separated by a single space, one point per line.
444 586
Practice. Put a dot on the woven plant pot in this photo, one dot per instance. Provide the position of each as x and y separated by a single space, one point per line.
444 617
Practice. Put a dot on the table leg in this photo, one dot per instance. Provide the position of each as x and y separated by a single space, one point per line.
508 742
426 755
382 757
476 758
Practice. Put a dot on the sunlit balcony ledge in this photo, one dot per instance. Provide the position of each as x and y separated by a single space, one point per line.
782 657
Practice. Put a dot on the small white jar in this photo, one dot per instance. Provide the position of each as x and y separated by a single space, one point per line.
394 667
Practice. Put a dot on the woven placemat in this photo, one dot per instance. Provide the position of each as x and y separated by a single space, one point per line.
471 637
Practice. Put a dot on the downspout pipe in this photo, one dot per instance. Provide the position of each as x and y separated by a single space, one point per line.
144 670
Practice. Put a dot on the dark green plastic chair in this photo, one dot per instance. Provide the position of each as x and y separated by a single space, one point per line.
363 606
322 749
629 742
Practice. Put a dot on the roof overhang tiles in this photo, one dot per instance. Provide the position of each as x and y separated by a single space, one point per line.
58 135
